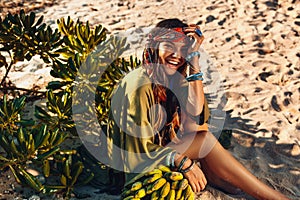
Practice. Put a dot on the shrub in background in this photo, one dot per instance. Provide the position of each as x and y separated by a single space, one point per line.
77 54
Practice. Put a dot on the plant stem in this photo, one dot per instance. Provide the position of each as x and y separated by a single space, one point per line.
6 73
22 89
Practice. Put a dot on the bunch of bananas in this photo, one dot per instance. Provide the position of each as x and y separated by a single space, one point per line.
160 183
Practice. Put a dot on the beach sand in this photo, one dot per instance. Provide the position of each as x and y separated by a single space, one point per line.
253 45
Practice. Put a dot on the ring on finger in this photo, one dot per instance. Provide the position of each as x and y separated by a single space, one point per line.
198 32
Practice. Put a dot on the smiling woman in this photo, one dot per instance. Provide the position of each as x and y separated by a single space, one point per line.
172 56
159 115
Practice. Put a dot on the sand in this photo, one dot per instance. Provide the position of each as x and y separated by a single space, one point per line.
253 45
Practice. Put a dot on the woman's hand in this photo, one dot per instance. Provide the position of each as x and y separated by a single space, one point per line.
191 32
195 176
196 179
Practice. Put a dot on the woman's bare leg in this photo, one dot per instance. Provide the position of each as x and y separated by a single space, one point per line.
217 182
205 146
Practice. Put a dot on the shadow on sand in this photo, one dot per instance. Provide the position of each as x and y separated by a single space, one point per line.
277 165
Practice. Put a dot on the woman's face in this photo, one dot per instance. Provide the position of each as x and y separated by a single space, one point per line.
172 55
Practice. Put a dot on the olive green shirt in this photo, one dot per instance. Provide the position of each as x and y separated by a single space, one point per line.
130 133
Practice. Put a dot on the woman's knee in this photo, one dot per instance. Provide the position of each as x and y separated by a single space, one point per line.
196 145
208 143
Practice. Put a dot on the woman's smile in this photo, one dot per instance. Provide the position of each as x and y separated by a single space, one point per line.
172 55
174 63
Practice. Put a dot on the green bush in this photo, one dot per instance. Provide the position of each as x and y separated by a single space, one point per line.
78 54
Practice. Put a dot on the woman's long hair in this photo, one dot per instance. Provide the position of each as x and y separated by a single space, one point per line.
162 94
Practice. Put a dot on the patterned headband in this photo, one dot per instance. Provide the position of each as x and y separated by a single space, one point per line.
173 35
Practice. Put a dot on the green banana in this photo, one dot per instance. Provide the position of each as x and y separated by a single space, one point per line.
164 168
158 183
178 194
174 176
126 193
149 189
165 190
188 193
140 193
136 186
154 171
171 195
131 198
152 178
155 195
175 185
183 184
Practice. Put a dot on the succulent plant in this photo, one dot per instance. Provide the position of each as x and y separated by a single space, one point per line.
78 54
22 37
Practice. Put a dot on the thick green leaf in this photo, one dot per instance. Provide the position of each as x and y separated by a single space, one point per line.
76 171
47 154
32 181
25 122
66 169
46 168
32 18
41 114
63 179
40 20
48 189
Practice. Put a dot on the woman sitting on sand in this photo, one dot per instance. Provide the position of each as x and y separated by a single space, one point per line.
159 115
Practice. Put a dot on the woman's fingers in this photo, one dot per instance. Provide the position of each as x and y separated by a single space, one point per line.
196 179
195 187
203 184
194 31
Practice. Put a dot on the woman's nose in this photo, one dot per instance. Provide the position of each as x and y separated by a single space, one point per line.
177 53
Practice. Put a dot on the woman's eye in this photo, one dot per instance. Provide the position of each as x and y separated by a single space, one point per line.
168 47
184 50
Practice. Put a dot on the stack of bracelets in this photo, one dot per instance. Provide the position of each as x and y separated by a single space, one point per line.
197 76
171 162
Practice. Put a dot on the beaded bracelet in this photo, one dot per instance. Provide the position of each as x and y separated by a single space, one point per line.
195 77
180 166
189 168
193 54
172 160
168 159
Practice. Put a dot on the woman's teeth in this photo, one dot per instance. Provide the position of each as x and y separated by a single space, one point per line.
173 62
